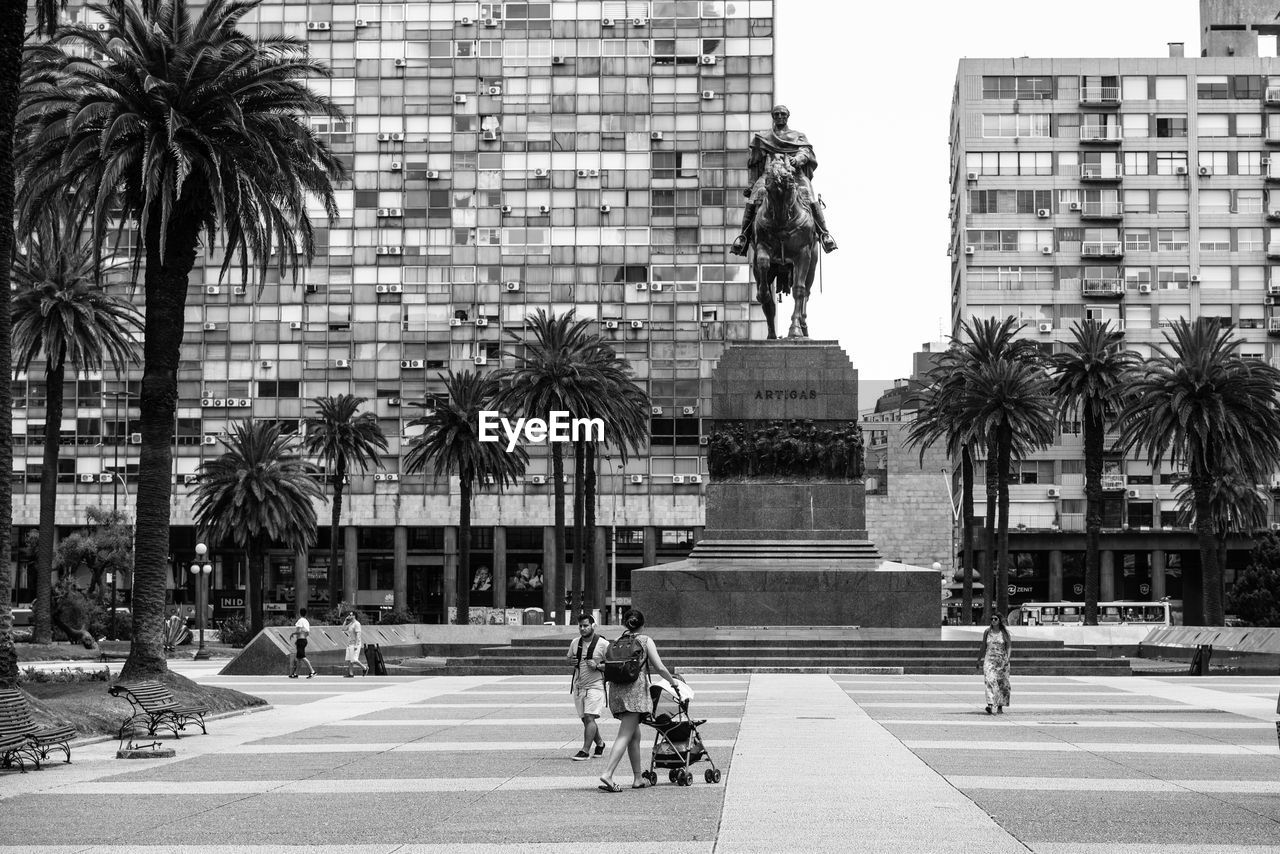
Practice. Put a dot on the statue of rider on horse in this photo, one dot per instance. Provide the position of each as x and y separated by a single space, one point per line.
783 220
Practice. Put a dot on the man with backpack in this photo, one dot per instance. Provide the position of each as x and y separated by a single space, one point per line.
586 651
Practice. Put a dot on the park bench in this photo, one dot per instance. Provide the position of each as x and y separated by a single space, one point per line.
153 703
16 722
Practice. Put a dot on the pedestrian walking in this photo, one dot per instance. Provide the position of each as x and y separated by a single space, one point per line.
586 651
994 661
351 628
626 670
301 631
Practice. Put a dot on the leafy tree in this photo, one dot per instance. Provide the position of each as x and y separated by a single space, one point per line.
104 545
62 317
192 130
1236 504
1255 597
450 445
257 493
1090 377
344 438
1200 405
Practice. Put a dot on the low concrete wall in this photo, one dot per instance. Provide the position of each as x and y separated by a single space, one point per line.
271 651
1254 651
1110 641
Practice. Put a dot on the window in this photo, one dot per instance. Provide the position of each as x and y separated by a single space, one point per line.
1171 88
1171 239
1134 88
1248 124
1215 278
1010 278
1022 87
1171 127
1010 163
1249 240
1137 201
1009 240
1249 201
1135 276
1215 201
1173 278
1137 240
1136 163
1216 239
1249 163
1246 86
1136 125
1009 201
1170 162
1214 161
1171 201
1213 124
1015 125
1215 88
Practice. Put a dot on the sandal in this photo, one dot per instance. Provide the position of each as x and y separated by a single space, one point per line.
644 785
609 787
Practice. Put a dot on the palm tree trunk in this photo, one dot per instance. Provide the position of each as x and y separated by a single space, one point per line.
1002 555
1210 572
1094 432
591 592
257 557
551 585
13 23
166 300
336 593
579 462
966 533
42 610
989 533
462 580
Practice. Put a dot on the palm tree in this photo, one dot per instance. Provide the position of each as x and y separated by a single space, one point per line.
1238 506
1203 407
1009 401
343 438
553 372
257 493
1089 379
450 444
60 313
217 141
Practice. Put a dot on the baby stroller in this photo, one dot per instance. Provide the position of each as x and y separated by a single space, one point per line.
677 743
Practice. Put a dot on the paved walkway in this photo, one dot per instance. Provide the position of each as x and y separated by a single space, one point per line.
813 763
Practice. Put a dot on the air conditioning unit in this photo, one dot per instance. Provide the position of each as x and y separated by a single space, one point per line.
656 135
1075 206
593 173
212 290
506 209
393 401
1273 289
453 321
312 289
384 137
1204 171
606 22
495 90
1054 492
459 99
388 250
1045 327
704 440
104 478
432 175
1046 250
393 477
219 402
637 324
206 401
482 321
342 363
1144 289
489 136
639 22
191 479
707 59
240 291
642 286
971 176
265 364
611 324
211 440
539 173
396 166
557 60
655 410
1043 213
708 95
637 478
135 438
397 137
361 23
512 287
401 62
605 209
582 173
1179 170
210 327
395 289
295 324
244 401
693 478
379 289
465 22
1195 280
656 286
545 209
481 360
1131 493
686 410
677 478
390 212
379 476
969 250
538 480
490 23
101 26
411 363
320 26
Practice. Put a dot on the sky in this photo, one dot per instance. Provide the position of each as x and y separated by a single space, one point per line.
870 83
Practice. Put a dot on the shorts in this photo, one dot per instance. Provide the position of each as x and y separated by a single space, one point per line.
353 652
301 645
589 701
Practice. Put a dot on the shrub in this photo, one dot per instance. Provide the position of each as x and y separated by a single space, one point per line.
235 631
65 674
399 617
100 617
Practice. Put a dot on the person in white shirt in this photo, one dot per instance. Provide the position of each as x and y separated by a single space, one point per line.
301 630
351 628
586 651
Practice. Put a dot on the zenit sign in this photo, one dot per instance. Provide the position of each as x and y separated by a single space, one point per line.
558 427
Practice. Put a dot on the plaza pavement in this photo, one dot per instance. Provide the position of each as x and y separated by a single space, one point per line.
813 763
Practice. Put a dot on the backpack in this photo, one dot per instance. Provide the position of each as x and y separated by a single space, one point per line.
624 659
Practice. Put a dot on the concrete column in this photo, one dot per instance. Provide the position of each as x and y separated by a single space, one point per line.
1157 575
499 566
350 564
1107 588
301 587
400 571
449 587
600 546
548 562
650 546
1055 575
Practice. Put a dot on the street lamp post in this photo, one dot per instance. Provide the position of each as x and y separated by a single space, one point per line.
613 544
115 493
201 569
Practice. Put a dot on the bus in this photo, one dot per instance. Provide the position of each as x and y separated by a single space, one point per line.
1109 614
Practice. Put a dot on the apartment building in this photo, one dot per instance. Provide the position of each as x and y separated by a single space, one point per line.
503 157
1137 191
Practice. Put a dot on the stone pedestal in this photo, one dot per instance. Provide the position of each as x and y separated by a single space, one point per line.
783 550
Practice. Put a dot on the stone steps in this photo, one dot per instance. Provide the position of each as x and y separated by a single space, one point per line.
803 653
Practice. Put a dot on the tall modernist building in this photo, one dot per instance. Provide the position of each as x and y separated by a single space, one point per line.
1138 191
503 157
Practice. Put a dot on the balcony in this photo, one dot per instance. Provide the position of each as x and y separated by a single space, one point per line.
1273 250
1272 136
1273 169
1108 287
1102 249
1111 172
1272 96
1113 483
1274 214
1102 96
1102 210
1100 135
1273 326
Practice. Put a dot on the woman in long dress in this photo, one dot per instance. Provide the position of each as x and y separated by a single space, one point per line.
994 661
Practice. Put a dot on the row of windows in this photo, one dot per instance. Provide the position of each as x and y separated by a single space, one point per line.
1127 87
1026 278
1138 239
511 13
1127 125
1116 202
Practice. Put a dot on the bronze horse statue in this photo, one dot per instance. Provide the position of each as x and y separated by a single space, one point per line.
786 246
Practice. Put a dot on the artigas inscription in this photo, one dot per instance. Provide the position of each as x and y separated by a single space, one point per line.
787 394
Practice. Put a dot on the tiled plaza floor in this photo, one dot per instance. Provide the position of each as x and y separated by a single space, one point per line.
811 763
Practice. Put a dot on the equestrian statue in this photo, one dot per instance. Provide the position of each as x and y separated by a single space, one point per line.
783 220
